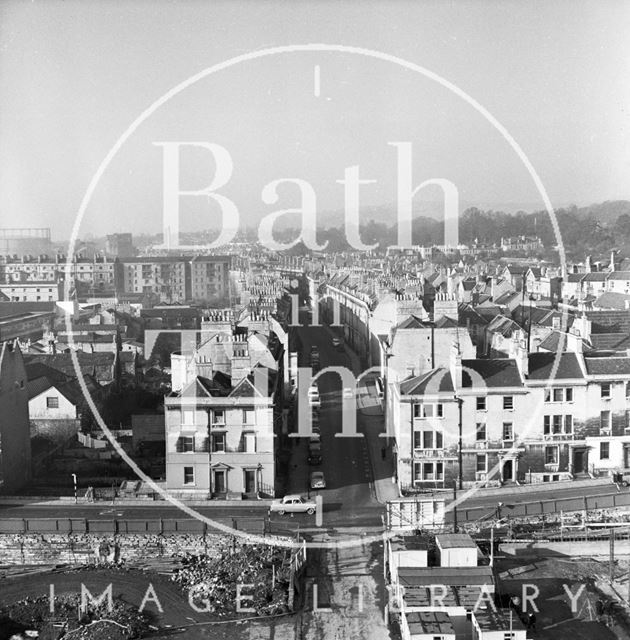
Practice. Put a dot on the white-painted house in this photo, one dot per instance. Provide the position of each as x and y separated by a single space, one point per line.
51 401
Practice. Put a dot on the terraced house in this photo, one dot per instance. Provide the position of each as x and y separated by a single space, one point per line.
530 417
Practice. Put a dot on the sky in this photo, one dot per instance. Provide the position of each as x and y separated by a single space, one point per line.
75 75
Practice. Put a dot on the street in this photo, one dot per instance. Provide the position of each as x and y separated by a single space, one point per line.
345 463
349 499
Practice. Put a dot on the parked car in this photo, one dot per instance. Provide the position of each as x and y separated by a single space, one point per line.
314 453
293 503
315 447
314 458
336 342
317 480
622 478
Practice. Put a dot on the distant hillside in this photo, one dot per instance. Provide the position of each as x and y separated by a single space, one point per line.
606 212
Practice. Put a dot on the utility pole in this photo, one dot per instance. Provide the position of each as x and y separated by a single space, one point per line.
460 402
455 528
611 560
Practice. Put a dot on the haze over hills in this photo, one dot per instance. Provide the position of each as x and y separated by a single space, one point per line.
595 227
387 213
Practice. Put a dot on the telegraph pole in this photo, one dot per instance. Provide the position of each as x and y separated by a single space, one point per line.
611 560
455 528
460 402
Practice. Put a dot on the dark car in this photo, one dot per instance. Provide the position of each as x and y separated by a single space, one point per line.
314 458
314 453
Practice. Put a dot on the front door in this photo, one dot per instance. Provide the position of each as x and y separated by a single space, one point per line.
219 481
626 457
508 470
579 456
250 481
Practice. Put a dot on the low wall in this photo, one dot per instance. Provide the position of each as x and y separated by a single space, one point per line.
93 548
570 548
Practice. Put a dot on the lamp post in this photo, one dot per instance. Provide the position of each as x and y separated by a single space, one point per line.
74 480
387 354
259 479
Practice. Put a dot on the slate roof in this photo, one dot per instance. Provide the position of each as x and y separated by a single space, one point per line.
455 541
465 311
412 322
595 276
429 623
202 387
455 596
540 316
37 386
541 366
609 366
503 325
506 297
17 308
619 275
516 269
609 321
40 370
71 389
444 322
552 343
612 300
488 310
448 576
419 385
98 364
498 620
495 372
603 341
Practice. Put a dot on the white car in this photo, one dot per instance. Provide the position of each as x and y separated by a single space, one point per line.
317 480
293 503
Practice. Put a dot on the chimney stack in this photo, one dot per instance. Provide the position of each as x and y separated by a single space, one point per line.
455 366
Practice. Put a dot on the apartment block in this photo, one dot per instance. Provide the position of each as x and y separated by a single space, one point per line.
174 278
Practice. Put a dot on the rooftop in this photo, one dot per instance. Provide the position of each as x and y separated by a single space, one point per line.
541 366
448 576
608 365
455 541
496 372
429 622
498 620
